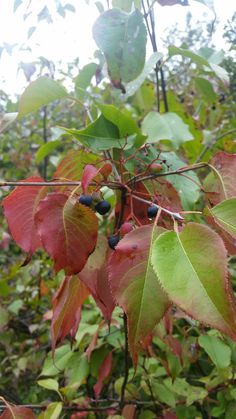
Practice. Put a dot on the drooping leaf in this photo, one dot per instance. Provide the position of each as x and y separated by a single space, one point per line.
68 231
218 189
99 135
18 412
135 84
44 15
19 209
104 371
39 93
122 38
188 189
198 284
95 277
134 284
66 305
168 126
77 370
17 3
225 215
218 351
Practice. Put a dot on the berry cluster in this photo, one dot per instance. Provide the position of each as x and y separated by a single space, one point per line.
101 207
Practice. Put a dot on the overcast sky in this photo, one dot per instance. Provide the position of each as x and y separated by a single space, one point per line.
71 37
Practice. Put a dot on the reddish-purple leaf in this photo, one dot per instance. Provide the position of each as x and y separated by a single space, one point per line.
68 231
18 412
94 173
72 166
66 305
104 371
95 277
219 188
134 285
88 175
19 208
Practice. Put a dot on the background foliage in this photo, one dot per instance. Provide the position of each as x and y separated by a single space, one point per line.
184 369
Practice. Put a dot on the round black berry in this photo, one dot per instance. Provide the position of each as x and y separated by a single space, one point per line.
113 241
152 211
86 200
103 207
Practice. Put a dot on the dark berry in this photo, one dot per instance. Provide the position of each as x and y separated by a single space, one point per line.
113 241
86 200
152 211
103 207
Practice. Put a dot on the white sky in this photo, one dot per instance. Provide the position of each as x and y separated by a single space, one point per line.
71 37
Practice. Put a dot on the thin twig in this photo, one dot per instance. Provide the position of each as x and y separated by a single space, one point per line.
45 140
175 215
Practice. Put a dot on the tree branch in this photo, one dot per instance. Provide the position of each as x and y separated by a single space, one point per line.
126 355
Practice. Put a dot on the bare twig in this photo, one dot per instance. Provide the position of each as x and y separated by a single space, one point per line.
212 143
126 372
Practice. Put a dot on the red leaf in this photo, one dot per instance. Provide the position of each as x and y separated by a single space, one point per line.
18 412
134 285
218 190
91 172
66 305
95 277
72 166
103 373
68 231
19 208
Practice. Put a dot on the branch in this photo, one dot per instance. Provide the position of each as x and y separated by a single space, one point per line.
45 139
141 178
111 185
175 215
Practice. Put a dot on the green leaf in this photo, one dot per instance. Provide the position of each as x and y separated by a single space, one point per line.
122 38
83 80
46 149
163 394
78 370
134 85
53 411
168 126
200 61
61 359
197 284
225 215
99 135
124 5
134 285
188 190
197 59
39 93
126 125
49 384
218 351
205 89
